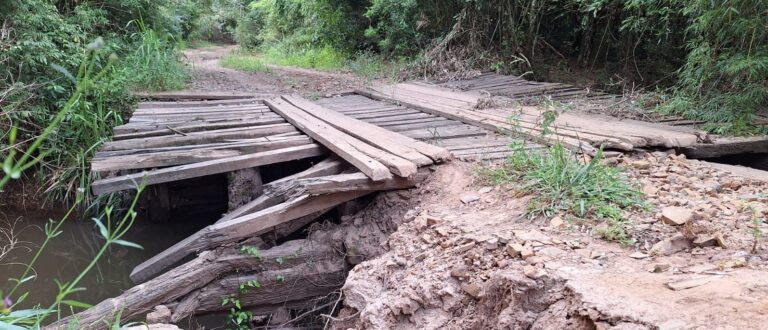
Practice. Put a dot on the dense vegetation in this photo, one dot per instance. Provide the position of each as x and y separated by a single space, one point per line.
43 45
711 57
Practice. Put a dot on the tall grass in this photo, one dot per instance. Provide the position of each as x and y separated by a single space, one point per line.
154 65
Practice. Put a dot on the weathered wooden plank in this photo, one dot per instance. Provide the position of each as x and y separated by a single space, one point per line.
395 143
181 172
237 144
173 130
199 137
181 157
372 134
196 95
332 138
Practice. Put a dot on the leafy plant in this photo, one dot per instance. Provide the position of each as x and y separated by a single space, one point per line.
251 250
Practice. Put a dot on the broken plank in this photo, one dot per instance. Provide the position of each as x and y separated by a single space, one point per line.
331 138
217 166
273 195
383 138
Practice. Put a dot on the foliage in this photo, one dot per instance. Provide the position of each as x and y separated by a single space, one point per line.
562 183
725 78
42 42
87 78
243 62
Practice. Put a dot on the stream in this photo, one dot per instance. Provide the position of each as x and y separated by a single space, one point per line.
70 252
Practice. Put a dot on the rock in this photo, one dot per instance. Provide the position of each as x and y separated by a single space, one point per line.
161 314
485 190
709 240
691 283
514 249
551 251
586 253
638 255
660 268
466 199
466 247
526 253
530 271
427 239
676 216
733 263
673 325
650 190
670 245
474 290
532 235
556 222
459 273
432 220
641 164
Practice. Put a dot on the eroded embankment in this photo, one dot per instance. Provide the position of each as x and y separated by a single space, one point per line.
455 265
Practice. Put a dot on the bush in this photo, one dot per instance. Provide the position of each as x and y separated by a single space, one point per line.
326 57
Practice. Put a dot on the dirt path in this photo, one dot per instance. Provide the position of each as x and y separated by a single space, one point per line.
209 76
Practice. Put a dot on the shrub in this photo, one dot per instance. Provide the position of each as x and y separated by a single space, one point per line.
243 62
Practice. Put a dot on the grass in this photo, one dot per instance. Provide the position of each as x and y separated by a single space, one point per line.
562 183
323 58
243 62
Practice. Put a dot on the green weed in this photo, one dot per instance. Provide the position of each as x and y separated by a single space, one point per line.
561 183
243 62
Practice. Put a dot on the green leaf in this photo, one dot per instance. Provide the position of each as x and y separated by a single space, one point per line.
128 244
8 326
102 228
75 303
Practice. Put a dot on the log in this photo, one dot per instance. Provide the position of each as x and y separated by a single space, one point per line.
243 186
418 152
217 166
197 273
333 139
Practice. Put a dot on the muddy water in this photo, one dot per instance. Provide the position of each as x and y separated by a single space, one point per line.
70 252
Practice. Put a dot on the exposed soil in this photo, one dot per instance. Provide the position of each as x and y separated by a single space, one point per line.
478 263
209 76
455 266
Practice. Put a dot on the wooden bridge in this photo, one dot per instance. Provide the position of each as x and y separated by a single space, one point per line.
378 138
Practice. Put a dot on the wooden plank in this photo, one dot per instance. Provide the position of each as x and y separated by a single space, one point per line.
195 95
182 172
199 137
237 144
331 138
394 143
173 130
445 132
181 157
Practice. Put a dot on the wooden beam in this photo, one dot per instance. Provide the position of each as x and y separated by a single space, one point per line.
217 166
332 139
415 151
